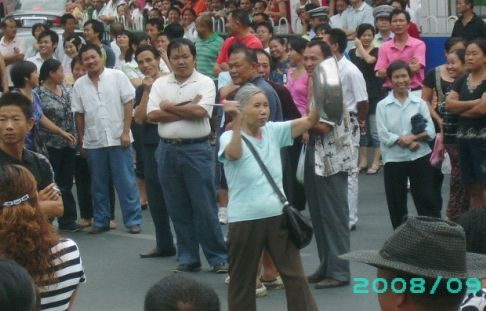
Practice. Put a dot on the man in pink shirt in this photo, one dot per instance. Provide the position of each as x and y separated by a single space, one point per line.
238 26
402 47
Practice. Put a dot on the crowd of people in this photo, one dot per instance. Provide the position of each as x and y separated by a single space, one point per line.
168 117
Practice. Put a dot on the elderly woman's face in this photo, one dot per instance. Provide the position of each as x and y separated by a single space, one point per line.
256 111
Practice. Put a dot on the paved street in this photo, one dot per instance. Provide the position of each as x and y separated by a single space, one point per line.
117 278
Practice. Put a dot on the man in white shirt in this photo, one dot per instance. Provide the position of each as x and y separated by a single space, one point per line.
357 13
181 103
12 48
47 42
102 101
355 99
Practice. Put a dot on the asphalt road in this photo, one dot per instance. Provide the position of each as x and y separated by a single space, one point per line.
117 278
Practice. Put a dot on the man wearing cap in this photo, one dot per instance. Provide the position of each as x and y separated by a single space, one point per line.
359 12
382 24
317 16
424 265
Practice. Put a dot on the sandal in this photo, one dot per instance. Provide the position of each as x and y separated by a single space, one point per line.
373 170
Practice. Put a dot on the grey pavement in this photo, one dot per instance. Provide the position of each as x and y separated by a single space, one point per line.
117 278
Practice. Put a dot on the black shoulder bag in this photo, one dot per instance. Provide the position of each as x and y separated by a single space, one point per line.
300 227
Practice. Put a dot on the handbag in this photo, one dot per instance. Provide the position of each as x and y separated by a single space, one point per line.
437 155
299 226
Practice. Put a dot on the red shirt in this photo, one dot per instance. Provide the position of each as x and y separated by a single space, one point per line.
199 6
251 41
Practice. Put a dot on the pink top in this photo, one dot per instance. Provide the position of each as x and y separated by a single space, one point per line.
298 90
388 53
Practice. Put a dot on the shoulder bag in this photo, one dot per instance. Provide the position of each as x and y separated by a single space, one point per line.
299 226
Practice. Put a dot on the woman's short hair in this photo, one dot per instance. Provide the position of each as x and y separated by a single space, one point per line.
298 44
245 92
17 290
397 65
49 65
21 71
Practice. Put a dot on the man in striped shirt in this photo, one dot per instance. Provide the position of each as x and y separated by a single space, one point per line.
208 45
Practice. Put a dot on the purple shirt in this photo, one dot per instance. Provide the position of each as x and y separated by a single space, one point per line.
388 53
298 89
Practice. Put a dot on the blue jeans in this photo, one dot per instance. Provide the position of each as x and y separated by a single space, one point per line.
186 176
156 202
117 161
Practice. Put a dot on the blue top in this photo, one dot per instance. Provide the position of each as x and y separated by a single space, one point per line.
250 194
37 114
393 121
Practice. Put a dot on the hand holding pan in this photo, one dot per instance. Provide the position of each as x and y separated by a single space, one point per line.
327 91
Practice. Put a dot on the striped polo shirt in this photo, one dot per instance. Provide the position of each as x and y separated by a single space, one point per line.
206 54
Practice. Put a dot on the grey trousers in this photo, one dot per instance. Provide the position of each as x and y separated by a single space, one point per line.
246 241
328 205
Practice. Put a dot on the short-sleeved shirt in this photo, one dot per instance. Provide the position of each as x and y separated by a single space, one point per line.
470 128
69 271
388 53
450 120
476 28
251 41
103 107
207 53
250 194
393 120
353 84
7 49
352 18
36 163
167 88
58 110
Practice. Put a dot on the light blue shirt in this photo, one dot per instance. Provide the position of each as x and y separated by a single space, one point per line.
393 120
250 194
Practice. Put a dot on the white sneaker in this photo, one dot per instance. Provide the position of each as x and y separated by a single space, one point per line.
261 291
223 215
275 284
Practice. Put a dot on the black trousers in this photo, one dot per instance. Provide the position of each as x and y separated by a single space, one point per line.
421 176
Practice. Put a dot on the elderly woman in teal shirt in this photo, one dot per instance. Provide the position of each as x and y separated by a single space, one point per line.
406 155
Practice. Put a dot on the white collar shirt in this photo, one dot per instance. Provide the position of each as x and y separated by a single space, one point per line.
352 83
167 88
352 18
8 49
103 107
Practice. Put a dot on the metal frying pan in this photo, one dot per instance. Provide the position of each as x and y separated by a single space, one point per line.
328 93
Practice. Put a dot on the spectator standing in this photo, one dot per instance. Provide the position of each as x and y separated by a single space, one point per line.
336 21
297 77
93 33
37 29
382 24
102 102
326 185
238 27
148 59
56 105
12 48
358 12
264 32
467 99
28 238
355 98
14 106
184 157
68 24
364 57
280 60
47 42
402 47
188 22
198 6
469 25
413 29
404 149
208 45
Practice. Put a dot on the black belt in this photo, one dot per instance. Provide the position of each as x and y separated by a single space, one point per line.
184 141
416 89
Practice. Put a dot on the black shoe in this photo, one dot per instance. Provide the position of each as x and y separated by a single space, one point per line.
330 283
157 253
192 267
134 229
70 228
96 230
314 278
222 268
